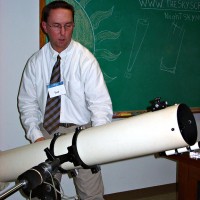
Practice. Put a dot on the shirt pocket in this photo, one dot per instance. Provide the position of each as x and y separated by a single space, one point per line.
75 91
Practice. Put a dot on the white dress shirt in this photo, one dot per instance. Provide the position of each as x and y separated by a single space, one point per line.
86 99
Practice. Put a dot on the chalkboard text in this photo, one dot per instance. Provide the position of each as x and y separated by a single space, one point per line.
182 16
170 5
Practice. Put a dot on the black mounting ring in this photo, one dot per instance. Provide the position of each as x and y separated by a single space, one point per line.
75 156
71 156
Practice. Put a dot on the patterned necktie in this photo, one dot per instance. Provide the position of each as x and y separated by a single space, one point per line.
52 112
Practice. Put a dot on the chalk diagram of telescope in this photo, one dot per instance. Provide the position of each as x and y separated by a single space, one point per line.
169 60
140 33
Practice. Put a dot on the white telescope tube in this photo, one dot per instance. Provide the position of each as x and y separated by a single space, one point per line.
152 132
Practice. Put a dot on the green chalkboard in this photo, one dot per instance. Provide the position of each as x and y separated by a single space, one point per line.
146 49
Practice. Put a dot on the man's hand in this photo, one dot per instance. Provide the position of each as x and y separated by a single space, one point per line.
39 139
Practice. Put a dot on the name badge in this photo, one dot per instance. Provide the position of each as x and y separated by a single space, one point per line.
56 89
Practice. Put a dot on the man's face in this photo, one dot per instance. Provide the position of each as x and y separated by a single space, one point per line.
59 28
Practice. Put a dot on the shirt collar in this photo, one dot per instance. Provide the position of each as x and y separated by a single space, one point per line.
63 54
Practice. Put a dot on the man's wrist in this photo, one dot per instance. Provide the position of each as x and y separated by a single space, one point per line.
35 135
40 139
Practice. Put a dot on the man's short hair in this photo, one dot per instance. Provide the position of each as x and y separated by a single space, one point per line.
55 5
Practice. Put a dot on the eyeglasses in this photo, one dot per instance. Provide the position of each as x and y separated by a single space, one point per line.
58 27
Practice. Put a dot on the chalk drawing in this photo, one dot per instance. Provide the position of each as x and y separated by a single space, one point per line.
140 33
169 60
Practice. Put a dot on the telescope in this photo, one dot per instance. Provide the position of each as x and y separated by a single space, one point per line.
148 133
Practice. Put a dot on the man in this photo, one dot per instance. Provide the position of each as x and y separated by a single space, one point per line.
84 99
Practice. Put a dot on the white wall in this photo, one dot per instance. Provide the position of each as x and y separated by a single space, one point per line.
19 38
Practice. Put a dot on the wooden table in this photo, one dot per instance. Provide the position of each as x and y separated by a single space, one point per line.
188 177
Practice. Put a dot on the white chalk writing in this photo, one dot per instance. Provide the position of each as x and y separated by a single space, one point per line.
182 16
176 5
